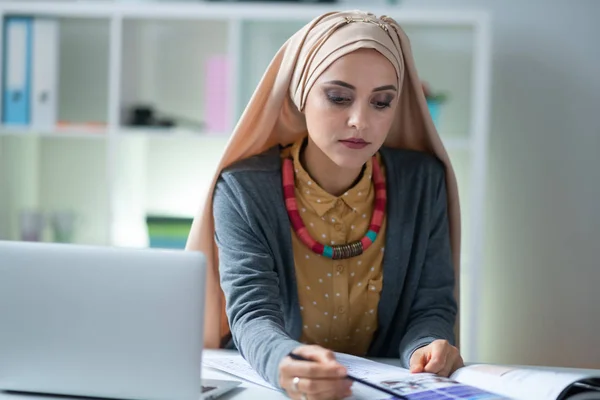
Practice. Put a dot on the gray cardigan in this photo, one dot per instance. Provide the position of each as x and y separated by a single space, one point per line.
256 263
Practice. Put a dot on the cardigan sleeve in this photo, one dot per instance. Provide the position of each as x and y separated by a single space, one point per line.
250 283
433 312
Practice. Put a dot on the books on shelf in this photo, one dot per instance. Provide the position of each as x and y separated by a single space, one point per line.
473 382
30 77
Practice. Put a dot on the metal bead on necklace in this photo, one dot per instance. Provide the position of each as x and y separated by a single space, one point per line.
342 251
350 250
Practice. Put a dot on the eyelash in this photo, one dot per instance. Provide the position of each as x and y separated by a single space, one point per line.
382 105
341 101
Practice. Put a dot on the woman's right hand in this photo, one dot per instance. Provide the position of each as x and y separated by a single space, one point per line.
322 378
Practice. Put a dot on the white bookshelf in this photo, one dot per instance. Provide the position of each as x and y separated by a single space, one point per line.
114 54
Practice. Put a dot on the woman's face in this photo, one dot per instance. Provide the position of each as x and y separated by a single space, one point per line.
351 107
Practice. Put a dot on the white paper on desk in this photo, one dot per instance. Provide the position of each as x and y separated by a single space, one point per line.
234 364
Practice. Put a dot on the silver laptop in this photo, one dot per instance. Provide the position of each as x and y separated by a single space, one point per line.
103 322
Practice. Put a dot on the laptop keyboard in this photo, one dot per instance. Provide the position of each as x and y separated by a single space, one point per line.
206 389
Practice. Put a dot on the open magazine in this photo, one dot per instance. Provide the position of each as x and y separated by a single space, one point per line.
473 382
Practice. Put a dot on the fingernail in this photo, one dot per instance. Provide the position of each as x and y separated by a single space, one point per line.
341 371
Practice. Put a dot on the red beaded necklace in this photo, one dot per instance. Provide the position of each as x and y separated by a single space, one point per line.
338 251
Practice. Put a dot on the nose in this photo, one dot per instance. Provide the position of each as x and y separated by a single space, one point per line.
359 116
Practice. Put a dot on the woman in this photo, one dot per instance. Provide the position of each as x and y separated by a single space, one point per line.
328 225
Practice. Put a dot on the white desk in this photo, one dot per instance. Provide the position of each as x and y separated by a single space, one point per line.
246 391
252 391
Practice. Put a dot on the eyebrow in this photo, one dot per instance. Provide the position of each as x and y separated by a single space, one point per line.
349 86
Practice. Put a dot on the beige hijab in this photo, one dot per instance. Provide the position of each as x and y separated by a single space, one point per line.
274 116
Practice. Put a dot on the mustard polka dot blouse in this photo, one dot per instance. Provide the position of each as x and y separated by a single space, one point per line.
338 298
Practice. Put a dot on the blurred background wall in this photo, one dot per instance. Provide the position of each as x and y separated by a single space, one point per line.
541 301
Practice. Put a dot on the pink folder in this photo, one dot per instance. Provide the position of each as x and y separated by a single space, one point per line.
217 102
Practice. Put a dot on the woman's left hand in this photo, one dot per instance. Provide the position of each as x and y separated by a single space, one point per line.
438 357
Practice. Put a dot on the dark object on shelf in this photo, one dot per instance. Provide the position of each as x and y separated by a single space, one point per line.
145 116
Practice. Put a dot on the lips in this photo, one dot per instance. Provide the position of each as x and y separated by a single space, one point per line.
354 143
354 140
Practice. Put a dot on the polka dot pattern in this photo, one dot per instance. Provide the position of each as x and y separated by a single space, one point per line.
339 311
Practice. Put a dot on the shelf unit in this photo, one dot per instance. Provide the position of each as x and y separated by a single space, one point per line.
452 51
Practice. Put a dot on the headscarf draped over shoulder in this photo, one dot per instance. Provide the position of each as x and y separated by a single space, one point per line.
274 116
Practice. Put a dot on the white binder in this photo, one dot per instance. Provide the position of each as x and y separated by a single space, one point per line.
44 93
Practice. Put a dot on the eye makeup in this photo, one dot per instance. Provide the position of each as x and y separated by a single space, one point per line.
380 100
338 98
